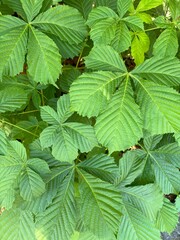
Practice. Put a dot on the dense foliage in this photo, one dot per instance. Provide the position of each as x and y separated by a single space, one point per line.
89 119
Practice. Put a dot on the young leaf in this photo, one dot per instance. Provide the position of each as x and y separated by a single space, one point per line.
145 5
166 44
44 64
119 126
58 21
122 7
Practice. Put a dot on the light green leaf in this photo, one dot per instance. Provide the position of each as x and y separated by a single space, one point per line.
123 6
17 224
91 91
105 58
9 23
17 7
48 136
13 49
134 22
167 217
101 166
31 185
167 176
135 226
103 32
3 143
122 38
101 205
119 126
31 8
17 151
131 165
140 45
82 135
174 6
160 70
38 165
100 13
49 115
58 21
63 108
160 107
59 219
12 98
166 44
143 198
145 5
43 59
64 148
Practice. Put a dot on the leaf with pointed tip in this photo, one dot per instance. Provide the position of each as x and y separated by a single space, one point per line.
31 8
43 59
63 108
123 6
119 126
48 136
49 115
145 5
134 22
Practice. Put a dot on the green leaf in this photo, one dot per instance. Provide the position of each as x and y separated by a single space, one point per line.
140 45
63 148
159 107
167 217
17 7
174 6
9 23
131 165
101 205
63 108
3 143
167 176
99 14
59 219
38 165
31 185
82 135
104 58
145 5
122 38
134 22
122 7
160 70
49 115
109 3
119 126
43 59
48 136
101 166
91 91
134 225
12 98
143 198
31 8
166 44
58 21
13 50
103 32
17 151
17 224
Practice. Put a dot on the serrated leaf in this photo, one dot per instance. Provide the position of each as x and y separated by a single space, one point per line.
104 58
139 45
12 98
13 50
49 115
103 32
63 108
38 165
160 108
166 44
167 217
123 6
122 37
63 148
134 22
143 198
17 224
145 5
17 7
108 3
82 135
100 13
134 226
90 92
31 8
9 23
31 185
167 176
58 221
104 203
17 151
3 142
160 70
48 136
101 166
43 59
58 21
113 128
